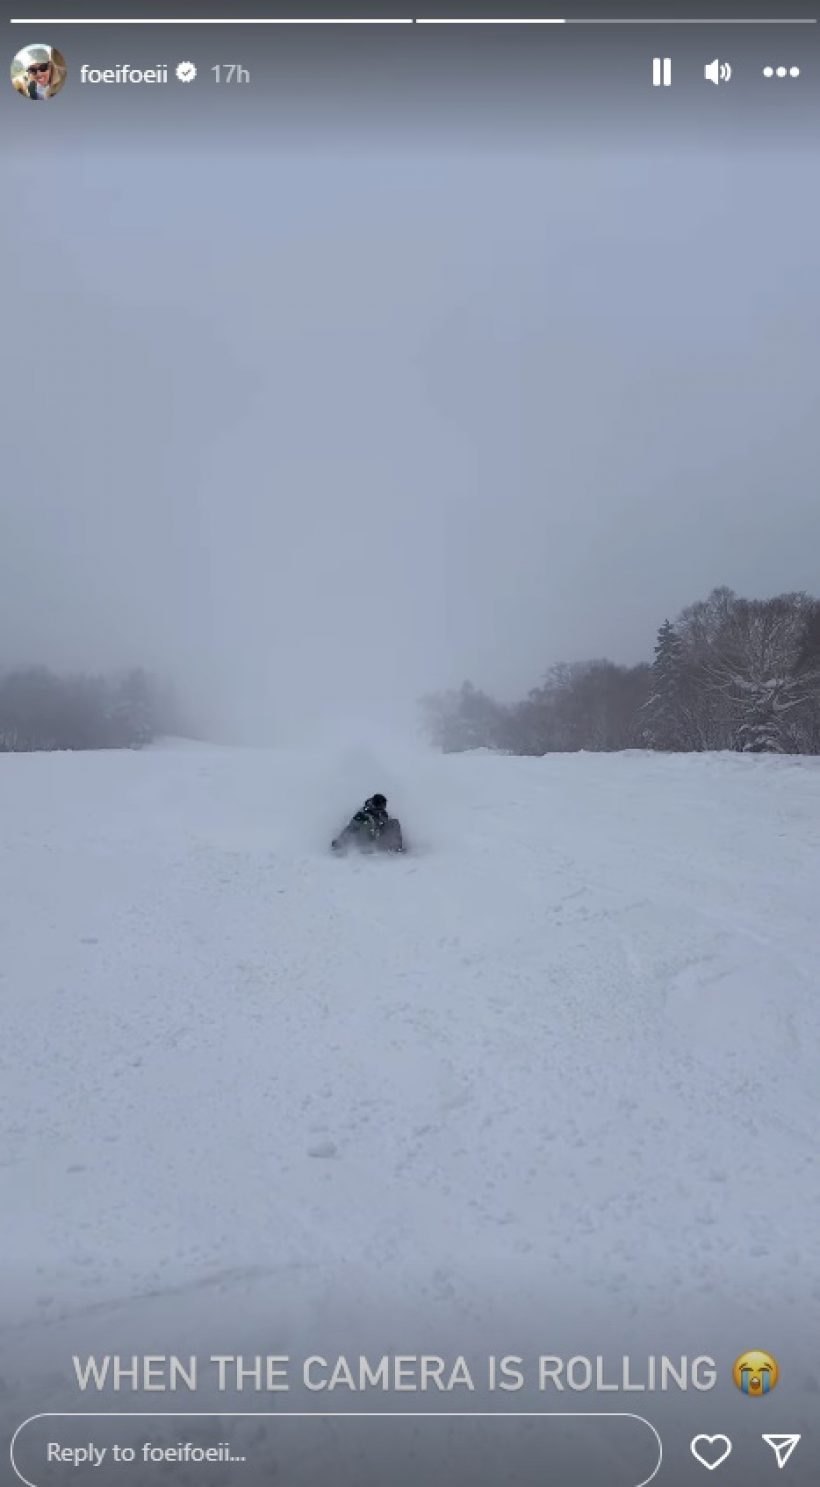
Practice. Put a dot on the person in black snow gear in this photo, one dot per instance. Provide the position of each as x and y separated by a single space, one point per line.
371 829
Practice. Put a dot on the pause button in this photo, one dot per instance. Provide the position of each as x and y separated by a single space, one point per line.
661 72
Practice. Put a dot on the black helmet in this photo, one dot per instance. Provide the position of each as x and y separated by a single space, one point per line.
379 802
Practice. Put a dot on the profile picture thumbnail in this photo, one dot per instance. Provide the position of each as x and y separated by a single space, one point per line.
38 71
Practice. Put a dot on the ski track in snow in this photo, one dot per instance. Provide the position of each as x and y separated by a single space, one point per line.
573 1032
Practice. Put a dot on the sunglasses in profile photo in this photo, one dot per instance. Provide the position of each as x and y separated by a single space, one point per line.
38 71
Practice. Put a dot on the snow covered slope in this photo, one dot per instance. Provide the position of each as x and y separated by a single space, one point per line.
572 1037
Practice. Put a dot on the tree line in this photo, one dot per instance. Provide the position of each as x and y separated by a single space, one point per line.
728 673
39 710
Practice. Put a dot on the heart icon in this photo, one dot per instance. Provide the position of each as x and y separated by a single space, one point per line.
710 1450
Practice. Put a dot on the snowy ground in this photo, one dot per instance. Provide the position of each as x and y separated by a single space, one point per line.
571 1039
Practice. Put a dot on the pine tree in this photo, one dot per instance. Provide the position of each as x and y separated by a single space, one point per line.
665 710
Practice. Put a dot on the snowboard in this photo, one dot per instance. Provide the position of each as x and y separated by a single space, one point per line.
388 840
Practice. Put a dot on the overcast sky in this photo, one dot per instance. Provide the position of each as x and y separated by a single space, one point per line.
332 426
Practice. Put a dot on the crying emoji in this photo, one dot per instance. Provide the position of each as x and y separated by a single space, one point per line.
755 1373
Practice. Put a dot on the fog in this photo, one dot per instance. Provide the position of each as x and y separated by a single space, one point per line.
315 435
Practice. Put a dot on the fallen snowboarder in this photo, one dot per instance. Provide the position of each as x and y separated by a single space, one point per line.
371 829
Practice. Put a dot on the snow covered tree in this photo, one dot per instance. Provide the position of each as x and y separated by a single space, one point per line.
30 710
711 724
729 673
808 654
598 705
807 671
465 719
41 711
581 705
133 710
753 667
666 723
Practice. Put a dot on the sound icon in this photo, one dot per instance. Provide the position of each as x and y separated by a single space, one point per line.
717 71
